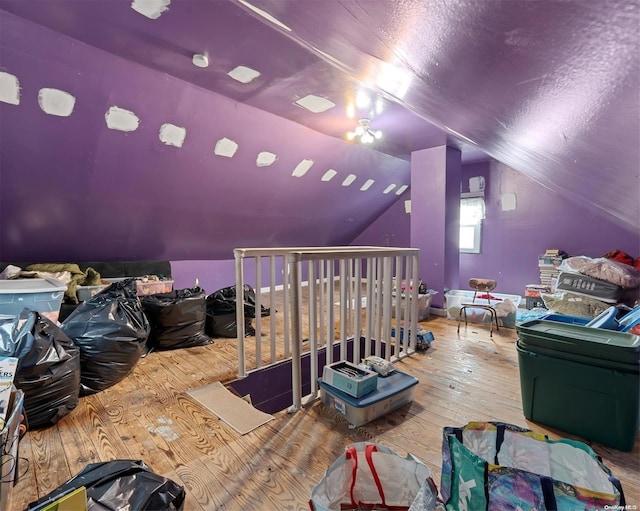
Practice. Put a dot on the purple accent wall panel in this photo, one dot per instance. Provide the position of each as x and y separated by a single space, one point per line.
73 189
513 240
434 220
452 219
391 229
212 275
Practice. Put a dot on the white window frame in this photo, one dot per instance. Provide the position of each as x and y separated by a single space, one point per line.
474 205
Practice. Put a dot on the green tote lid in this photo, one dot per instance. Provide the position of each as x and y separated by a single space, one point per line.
581 340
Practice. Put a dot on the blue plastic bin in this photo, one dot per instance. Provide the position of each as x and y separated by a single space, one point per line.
563 318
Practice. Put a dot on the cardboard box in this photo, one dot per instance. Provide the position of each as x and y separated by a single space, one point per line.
350 378
8 367
9 441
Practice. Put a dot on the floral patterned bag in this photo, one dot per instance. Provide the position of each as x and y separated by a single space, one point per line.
492 465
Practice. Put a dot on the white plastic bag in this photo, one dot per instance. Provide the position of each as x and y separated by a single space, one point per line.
369 475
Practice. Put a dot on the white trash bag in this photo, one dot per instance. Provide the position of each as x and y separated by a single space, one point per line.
371 476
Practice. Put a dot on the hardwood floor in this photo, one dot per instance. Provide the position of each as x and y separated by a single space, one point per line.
148 416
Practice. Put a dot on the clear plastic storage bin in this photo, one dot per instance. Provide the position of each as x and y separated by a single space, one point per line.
41 295
506 307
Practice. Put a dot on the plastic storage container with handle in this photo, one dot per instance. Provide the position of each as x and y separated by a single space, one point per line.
581 380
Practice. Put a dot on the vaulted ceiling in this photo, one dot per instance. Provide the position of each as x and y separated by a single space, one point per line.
549 88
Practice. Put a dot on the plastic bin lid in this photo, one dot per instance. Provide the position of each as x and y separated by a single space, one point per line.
21 286
584 360
570 338
566 318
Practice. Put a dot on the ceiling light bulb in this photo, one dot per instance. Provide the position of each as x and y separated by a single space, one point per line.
351 111
363 99
364 132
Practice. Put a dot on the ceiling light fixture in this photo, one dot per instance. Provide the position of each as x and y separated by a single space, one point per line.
364 132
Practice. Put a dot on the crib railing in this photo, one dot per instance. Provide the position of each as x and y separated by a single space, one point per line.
347 300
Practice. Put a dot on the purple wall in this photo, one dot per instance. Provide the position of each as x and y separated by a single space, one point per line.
513 240
435 179
211 275
72 189
391 229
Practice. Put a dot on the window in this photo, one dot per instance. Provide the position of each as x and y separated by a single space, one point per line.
471 216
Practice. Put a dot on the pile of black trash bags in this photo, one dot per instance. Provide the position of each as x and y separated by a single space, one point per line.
102 340
221 312
119 484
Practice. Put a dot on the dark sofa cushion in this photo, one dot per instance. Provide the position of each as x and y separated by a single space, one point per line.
114 269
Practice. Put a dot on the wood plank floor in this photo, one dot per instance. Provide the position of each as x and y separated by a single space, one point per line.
148 416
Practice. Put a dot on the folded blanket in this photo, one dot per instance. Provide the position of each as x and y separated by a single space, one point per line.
605 269
89 277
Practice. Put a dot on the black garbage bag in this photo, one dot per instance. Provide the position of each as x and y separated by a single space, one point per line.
221 312
225 325
177 319
48 369
111 331
120 484
223 301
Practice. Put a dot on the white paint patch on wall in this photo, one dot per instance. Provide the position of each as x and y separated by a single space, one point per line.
152 9
329 175
122 120
171 134
389 188
407 207
402 189
9 88
302 168
243 74
56 102
315 104
349 179
508 201
225 147
367 184
265 159
200 60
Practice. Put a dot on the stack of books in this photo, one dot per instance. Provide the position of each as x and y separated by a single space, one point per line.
548 264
